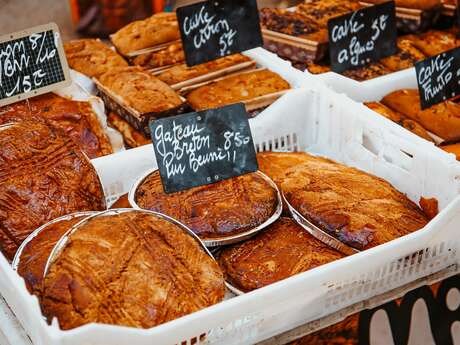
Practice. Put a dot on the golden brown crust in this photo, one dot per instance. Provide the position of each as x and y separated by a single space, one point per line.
218 210
141 90
122 202
370 71
280 251
75 118
429 206
406 56
131 136
357 208
321 11
452 148
442 119
433 42
132 269
171 55
92 57
157 29
35 254
236 89
182 72
43 175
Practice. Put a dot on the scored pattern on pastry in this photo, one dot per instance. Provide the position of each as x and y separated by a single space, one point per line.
225 208
133 269
43 175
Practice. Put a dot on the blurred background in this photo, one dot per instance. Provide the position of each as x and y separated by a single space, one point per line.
89 17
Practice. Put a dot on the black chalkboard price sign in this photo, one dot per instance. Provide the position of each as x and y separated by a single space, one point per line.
438 78
361 37
203 147
32 62
213 29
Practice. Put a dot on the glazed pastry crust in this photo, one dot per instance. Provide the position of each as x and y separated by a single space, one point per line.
357 208
43 175
130 269
442 119
77 119
91 57
236 89
280 251
213 211
158 29
141 90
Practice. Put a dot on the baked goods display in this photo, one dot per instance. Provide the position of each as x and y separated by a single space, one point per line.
43 175
238 88
158 29
358 209
91 57
131 268
31 258
168 56
75 118
214 212
282 250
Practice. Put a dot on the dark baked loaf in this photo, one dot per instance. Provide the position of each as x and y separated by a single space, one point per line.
155 30
237 88
442 119
171 55
434 42
36 252
182 72
75 118
370 71
287 22
280 251
213 211
141 90
43 175
406 57
92 57
359 209
132 269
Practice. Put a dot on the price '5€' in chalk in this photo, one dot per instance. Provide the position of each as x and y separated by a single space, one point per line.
203 147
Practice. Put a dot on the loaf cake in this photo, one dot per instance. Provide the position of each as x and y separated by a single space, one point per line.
414 4
236 88
434 42
357 208
35 254
140 90
282 250
400 119
43 175
214 211
406 57
287 22
77 119
182 72
132 269
153 31
442 119
171 55
131 136
91 57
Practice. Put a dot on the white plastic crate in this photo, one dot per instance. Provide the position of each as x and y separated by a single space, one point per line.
368 90
314 120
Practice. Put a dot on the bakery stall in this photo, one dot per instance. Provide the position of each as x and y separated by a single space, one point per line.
229 172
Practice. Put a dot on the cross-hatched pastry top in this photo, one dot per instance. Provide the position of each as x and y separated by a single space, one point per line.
282 250
141 90
225 208
43 175
76 118
91 57
236 88
133 269
155 30
357 208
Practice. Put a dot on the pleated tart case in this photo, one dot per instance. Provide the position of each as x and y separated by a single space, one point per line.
32 256
128 267
43 175
222 213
